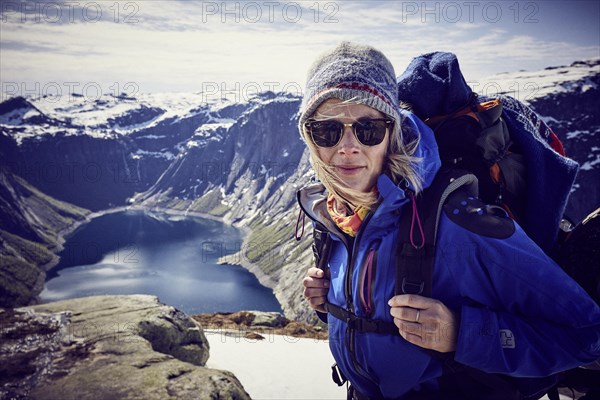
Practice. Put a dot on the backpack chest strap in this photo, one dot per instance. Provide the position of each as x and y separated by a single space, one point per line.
360 324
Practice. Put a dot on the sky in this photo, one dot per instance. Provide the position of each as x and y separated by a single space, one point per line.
236 48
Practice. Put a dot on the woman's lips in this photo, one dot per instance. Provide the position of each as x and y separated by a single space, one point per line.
349 169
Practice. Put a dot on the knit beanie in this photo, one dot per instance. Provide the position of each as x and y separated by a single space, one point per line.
352 72
433 85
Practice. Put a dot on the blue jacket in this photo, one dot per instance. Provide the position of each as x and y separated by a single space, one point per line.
520 314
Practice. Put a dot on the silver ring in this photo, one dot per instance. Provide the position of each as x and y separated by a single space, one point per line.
418 315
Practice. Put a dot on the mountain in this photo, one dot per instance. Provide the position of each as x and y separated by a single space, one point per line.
30 234
241 161
98 152
235 167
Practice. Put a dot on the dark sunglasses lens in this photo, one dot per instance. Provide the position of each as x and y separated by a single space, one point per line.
325 133
370 132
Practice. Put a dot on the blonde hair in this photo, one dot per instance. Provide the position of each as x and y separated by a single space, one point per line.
399 164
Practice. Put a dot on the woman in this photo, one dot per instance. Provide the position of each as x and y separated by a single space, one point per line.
494 304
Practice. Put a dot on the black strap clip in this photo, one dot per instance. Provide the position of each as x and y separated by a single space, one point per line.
362 325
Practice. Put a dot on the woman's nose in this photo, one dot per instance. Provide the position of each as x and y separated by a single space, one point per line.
348 142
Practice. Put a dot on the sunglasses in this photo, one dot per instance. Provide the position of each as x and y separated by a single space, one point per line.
328 133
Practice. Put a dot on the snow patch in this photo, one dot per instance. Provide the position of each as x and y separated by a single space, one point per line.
208 130
576 134
590 165
151 137
298 368
156 154
17 117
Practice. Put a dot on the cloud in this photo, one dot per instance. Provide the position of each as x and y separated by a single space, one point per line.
20 46
182 45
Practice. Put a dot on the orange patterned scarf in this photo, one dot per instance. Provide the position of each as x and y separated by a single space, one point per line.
349 224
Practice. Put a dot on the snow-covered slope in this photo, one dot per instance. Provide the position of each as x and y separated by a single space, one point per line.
528 86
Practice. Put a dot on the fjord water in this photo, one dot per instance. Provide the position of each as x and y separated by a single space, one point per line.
174 258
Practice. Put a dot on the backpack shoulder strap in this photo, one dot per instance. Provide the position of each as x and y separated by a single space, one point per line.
321 246
418 231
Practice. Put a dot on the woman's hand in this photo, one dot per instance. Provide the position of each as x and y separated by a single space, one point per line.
426 322
316 286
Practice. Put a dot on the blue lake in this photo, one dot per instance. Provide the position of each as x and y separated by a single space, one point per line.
173 258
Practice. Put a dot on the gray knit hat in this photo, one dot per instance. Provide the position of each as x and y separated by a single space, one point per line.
352 72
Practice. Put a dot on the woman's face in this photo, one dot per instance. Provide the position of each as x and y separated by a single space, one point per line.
354 163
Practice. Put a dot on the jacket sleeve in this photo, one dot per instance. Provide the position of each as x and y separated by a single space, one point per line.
520 314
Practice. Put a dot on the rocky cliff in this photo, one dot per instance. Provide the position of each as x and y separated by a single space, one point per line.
30 234
108 347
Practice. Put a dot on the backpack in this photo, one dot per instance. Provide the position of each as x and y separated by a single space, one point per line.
476 138
504 144
414 274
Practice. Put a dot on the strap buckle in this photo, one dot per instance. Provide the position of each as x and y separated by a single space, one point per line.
362 325
409 287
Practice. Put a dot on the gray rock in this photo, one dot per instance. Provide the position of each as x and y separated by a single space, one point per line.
269 319
117 347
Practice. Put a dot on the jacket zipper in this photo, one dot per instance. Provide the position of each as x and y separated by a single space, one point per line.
367 279
351 250
349 300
